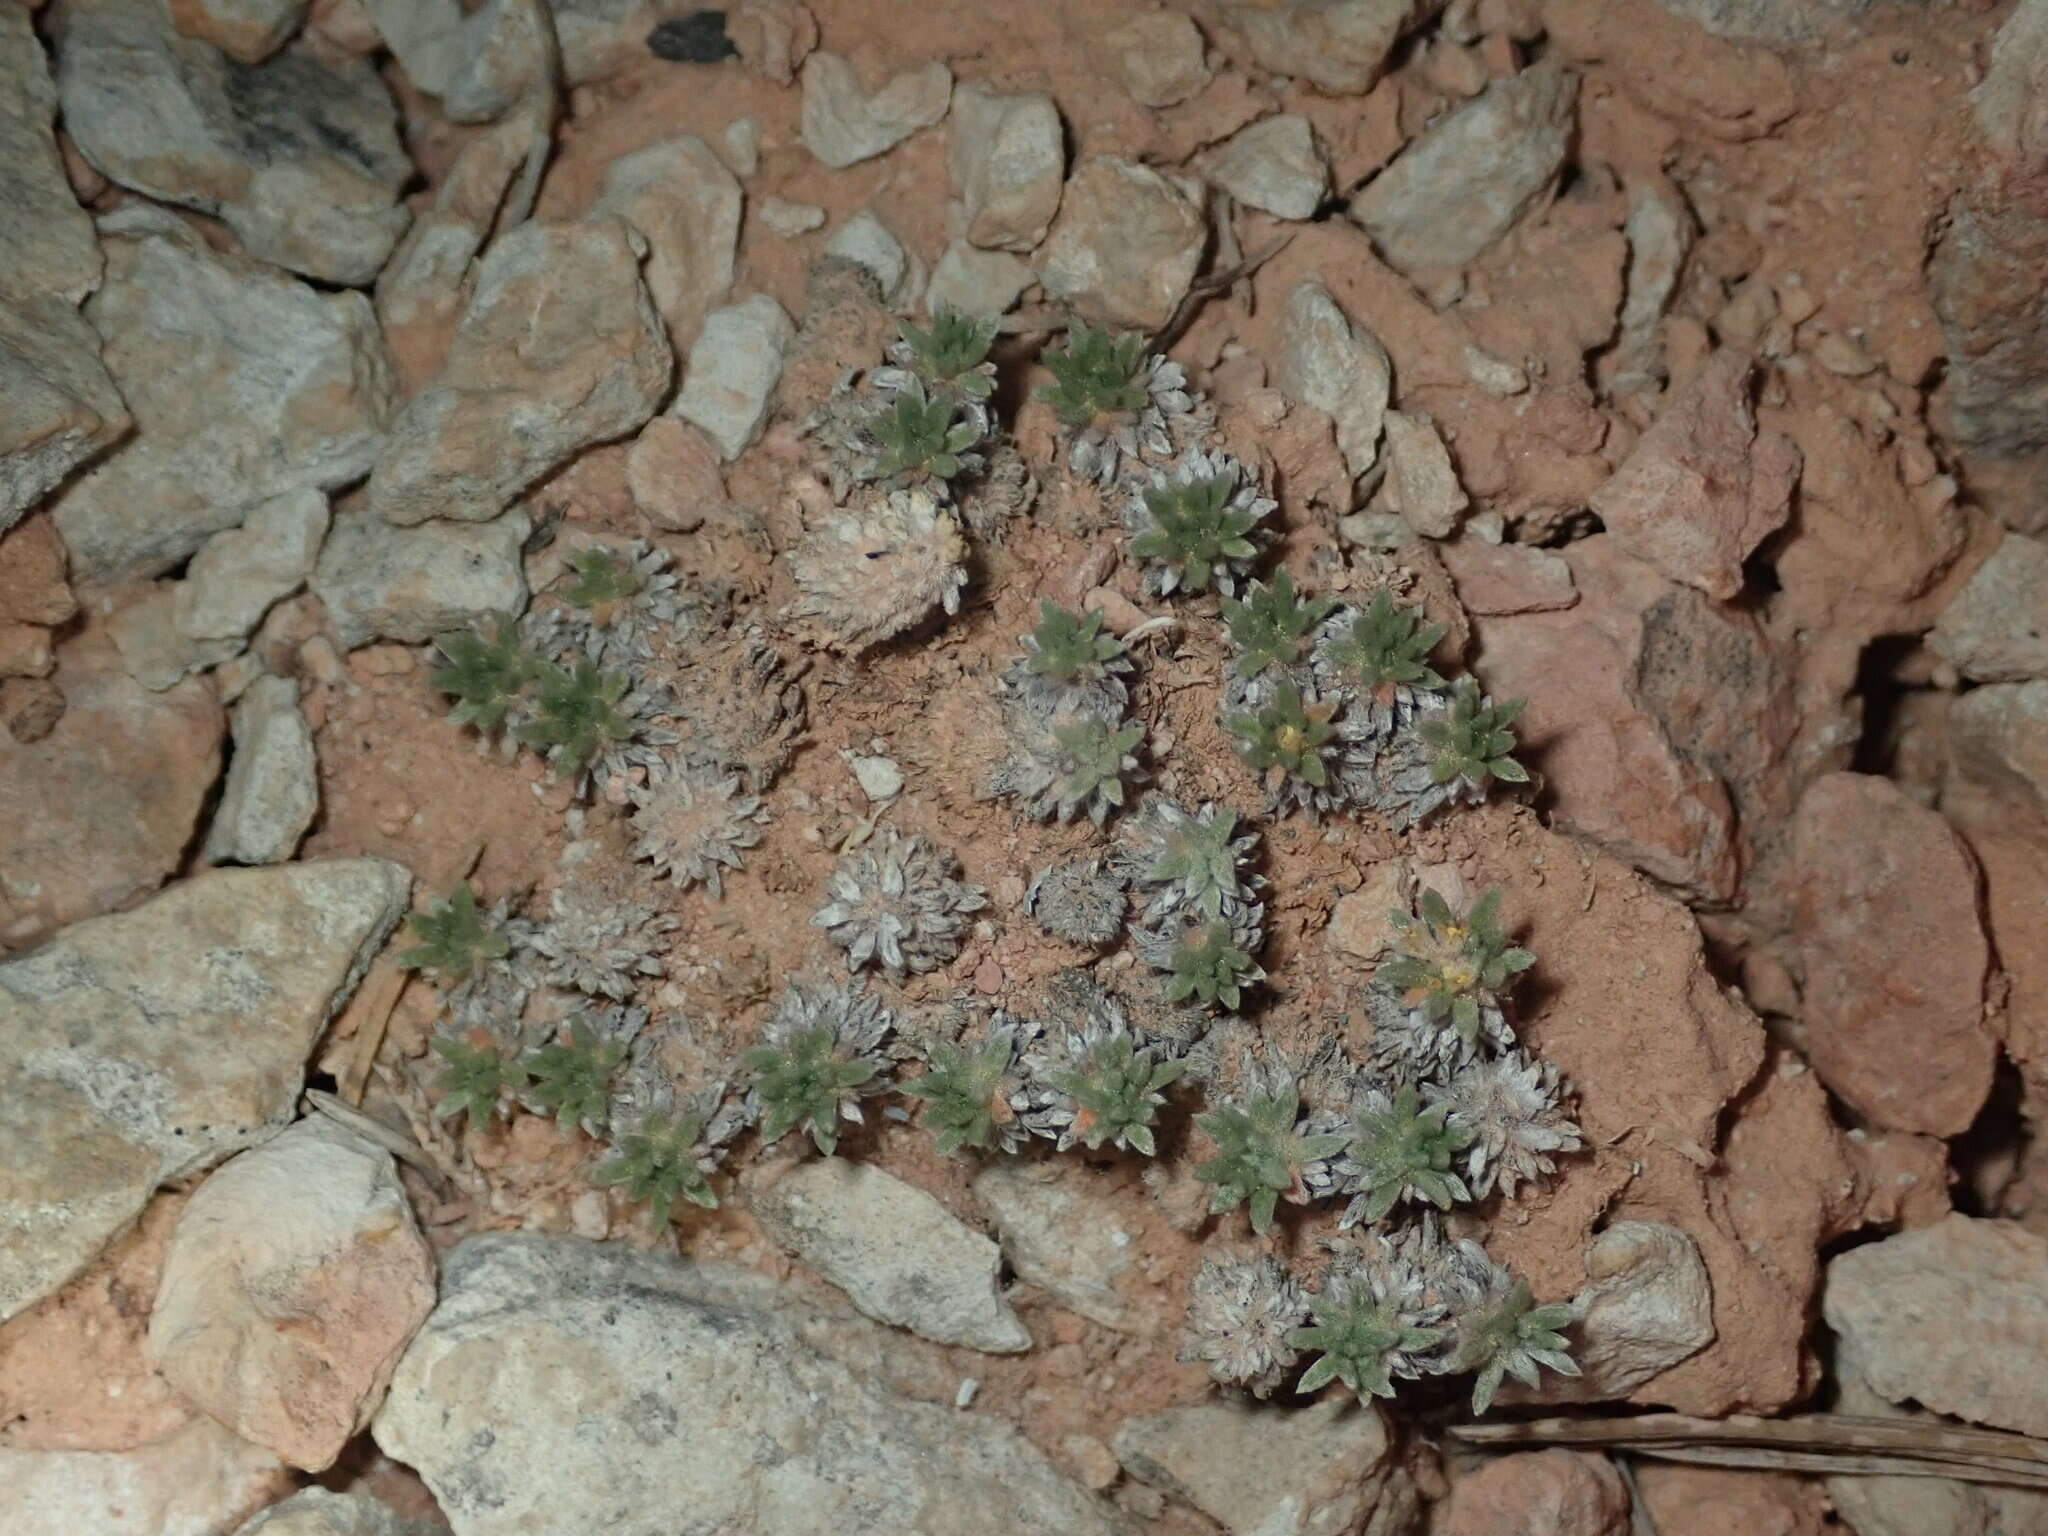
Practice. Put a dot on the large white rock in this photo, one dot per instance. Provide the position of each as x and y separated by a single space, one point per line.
900 1256
1261 1470
198 1480
844 124
560 348
1466 180
585 1390
149 1045
1953 1317
318 1512
296 1277
1275 165
1647 1305
1008 158
234 580
384 583
46 239
245 384
298 155
1126 245
1060 1238
684 202
58 407
1996 630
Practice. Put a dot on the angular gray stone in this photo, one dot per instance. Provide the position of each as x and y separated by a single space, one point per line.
1275 165
867 242
560 348
58 407
844 124
1469 177
1660 235
273 784
1008 159
1126 245
1260 1470
1060 1238
296 1277
977 282
684 202
244 384
1996 629
233 581
298 155
199 1480
384 583
1159 58
729 385
1647 1305
900 1256
318 1512
1340 370
46 239
585 1390
425 281
1422 484
479 62
100 810
1953 1317
156 651
248 31
1339 46
149 1045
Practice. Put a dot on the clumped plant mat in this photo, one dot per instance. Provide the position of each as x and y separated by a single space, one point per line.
1837 1444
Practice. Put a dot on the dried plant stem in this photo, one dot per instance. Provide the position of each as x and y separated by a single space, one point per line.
1833 1443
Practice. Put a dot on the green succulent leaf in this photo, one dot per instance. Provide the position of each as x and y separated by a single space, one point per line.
577 714
962 1090
1117 1090
1070 647
1095 374
1271 627
1198 854
1358 1337
658 1163
1207 965
1288 735
484 673
1194 528
572 1076
453 938
947 355
1096 755
1259 1153
1386 646
1512 1336
478 1077
1470 742
803 1083
602 578
918 435
1405 1151
1446 964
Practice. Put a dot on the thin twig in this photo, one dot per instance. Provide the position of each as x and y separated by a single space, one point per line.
397 1143
1847 1444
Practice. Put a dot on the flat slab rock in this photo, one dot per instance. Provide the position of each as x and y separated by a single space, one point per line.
899 1255
244 384
582 1389
1953 1317
98 812
298 155
199 1480
296 1277
1259 1470
151 1044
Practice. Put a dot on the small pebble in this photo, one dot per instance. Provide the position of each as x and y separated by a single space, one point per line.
791 219
965 1395
879 778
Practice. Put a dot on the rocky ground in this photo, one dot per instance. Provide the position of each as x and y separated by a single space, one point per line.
485 693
